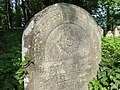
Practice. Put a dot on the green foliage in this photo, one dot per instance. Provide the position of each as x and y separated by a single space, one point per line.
15 12
10 60
18 17
89 5
20 74
12 68
108 76
107 14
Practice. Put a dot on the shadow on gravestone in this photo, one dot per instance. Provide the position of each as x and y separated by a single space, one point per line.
64 42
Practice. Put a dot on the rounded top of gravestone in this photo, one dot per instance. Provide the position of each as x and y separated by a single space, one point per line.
70 8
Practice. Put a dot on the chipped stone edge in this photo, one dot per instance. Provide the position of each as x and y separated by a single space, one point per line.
26 32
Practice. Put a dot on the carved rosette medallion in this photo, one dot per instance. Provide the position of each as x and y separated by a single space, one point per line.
69 40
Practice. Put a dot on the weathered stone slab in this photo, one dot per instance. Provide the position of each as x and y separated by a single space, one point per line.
101 31
109 34
64 42
117 31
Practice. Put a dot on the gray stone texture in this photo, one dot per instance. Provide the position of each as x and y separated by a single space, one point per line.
101 31
64 43
117 31
109 34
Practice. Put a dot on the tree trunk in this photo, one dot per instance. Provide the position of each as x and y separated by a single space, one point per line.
23 8
28 13
16 1
10 15
6 13
108 19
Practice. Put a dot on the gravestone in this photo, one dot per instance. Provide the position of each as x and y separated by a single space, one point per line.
109 34
101 31
117 31
64 43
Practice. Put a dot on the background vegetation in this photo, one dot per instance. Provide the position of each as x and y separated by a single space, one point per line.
17 13
14 16
10 60
108 77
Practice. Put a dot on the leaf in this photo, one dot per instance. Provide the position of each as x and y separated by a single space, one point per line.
21 70
114 87
90 86
101 74
101 88
21 81
104 82
96 87
116 81
118 76
25 62
111 78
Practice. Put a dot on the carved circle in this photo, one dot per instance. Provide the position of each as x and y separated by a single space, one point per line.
69 40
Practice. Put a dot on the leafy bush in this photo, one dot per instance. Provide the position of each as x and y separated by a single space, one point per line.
10 60
108 76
